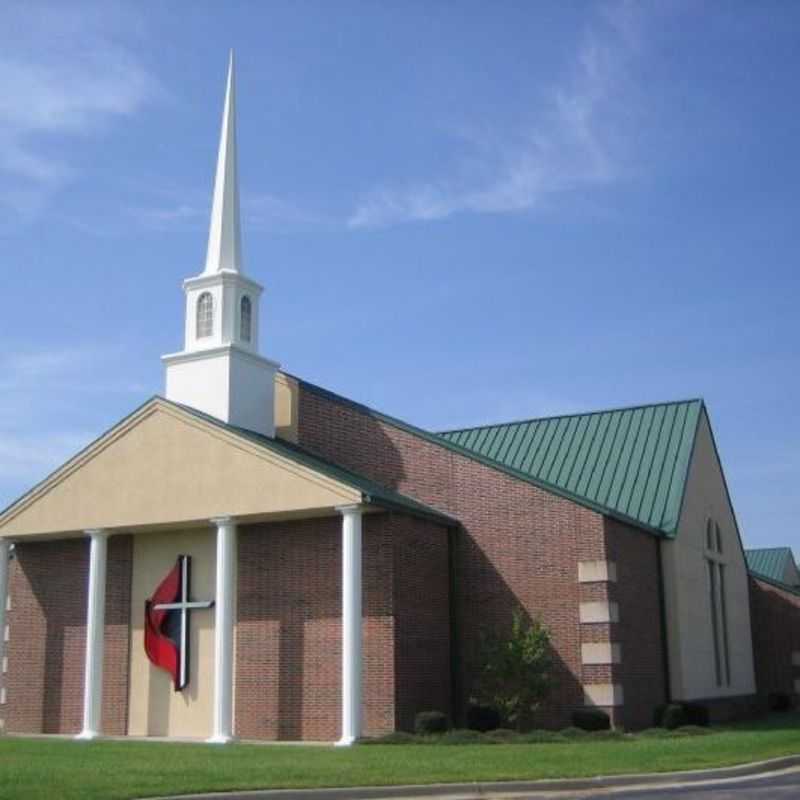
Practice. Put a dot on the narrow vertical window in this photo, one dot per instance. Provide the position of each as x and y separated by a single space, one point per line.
726 657
719 615
205 315
245 319
712 583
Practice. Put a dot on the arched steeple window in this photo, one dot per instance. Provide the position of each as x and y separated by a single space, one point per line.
205 315
245 319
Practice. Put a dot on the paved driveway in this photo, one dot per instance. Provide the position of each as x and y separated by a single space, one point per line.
779 787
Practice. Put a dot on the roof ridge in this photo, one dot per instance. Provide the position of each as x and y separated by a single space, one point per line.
764 549
571 415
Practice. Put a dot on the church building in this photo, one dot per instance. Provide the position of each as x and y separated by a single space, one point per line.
252 556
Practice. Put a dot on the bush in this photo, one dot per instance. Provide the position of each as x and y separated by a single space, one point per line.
779 701
464 736
674 717
610 734
658 714
654 733
691 730
502 735
515 675
396 737
482 718
696 714
591 719
540 737
427 722
573 733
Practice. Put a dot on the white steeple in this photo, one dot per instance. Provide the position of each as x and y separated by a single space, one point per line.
224 235
219 371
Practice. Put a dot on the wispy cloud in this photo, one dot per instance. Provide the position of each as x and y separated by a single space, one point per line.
260 212
577 142
64 72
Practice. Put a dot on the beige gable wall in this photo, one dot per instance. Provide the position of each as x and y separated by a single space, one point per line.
155 708
790 575
166 467
686 585
287 398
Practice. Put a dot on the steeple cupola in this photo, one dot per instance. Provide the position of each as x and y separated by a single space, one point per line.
219 371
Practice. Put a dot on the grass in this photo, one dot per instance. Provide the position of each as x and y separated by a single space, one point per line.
31 769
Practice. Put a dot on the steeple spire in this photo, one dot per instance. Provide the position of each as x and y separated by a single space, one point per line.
224 236
220 371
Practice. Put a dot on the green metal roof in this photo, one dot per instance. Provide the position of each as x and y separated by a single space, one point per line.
631 462
652 465
770 562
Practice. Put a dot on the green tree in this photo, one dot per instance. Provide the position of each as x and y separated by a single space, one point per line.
515 673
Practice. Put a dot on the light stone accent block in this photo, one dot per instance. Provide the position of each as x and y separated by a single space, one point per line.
597 571
599 611
796 658
601 653
603 694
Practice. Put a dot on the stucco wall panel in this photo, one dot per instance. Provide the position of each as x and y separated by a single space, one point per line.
688 604
156 709
169 468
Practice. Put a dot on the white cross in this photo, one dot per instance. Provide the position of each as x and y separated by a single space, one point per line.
184 605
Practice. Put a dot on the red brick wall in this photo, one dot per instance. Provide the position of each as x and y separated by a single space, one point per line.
288 661
775 618
639 630
47 623
422 620
519 545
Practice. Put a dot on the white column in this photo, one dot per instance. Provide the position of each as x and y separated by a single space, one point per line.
5 547
225 615
351 624
95 625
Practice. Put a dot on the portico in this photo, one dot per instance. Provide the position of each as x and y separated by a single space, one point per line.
129 474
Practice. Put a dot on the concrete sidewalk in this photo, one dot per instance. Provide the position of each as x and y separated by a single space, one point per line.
514 789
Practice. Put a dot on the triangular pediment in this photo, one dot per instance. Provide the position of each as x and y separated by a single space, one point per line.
164 465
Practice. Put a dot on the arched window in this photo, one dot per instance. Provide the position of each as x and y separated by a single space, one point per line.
245 319
205 315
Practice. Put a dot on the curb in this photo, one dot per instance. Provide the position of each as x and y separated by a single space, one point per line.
465 791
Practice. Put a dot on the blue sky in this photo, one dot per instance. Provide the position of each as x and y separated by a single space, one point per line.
462 212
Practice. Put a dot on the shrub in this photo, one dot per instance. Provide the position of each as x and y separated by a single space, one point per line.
573 733
674 717
779 701
515 674
540 737
502 735
658 714
696 714
396 737
610 734
654 733
427 722
591 719
464 736
691 730
482 717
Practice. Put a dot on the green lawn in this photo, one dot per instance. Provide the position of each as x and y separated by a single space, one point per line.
49 769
